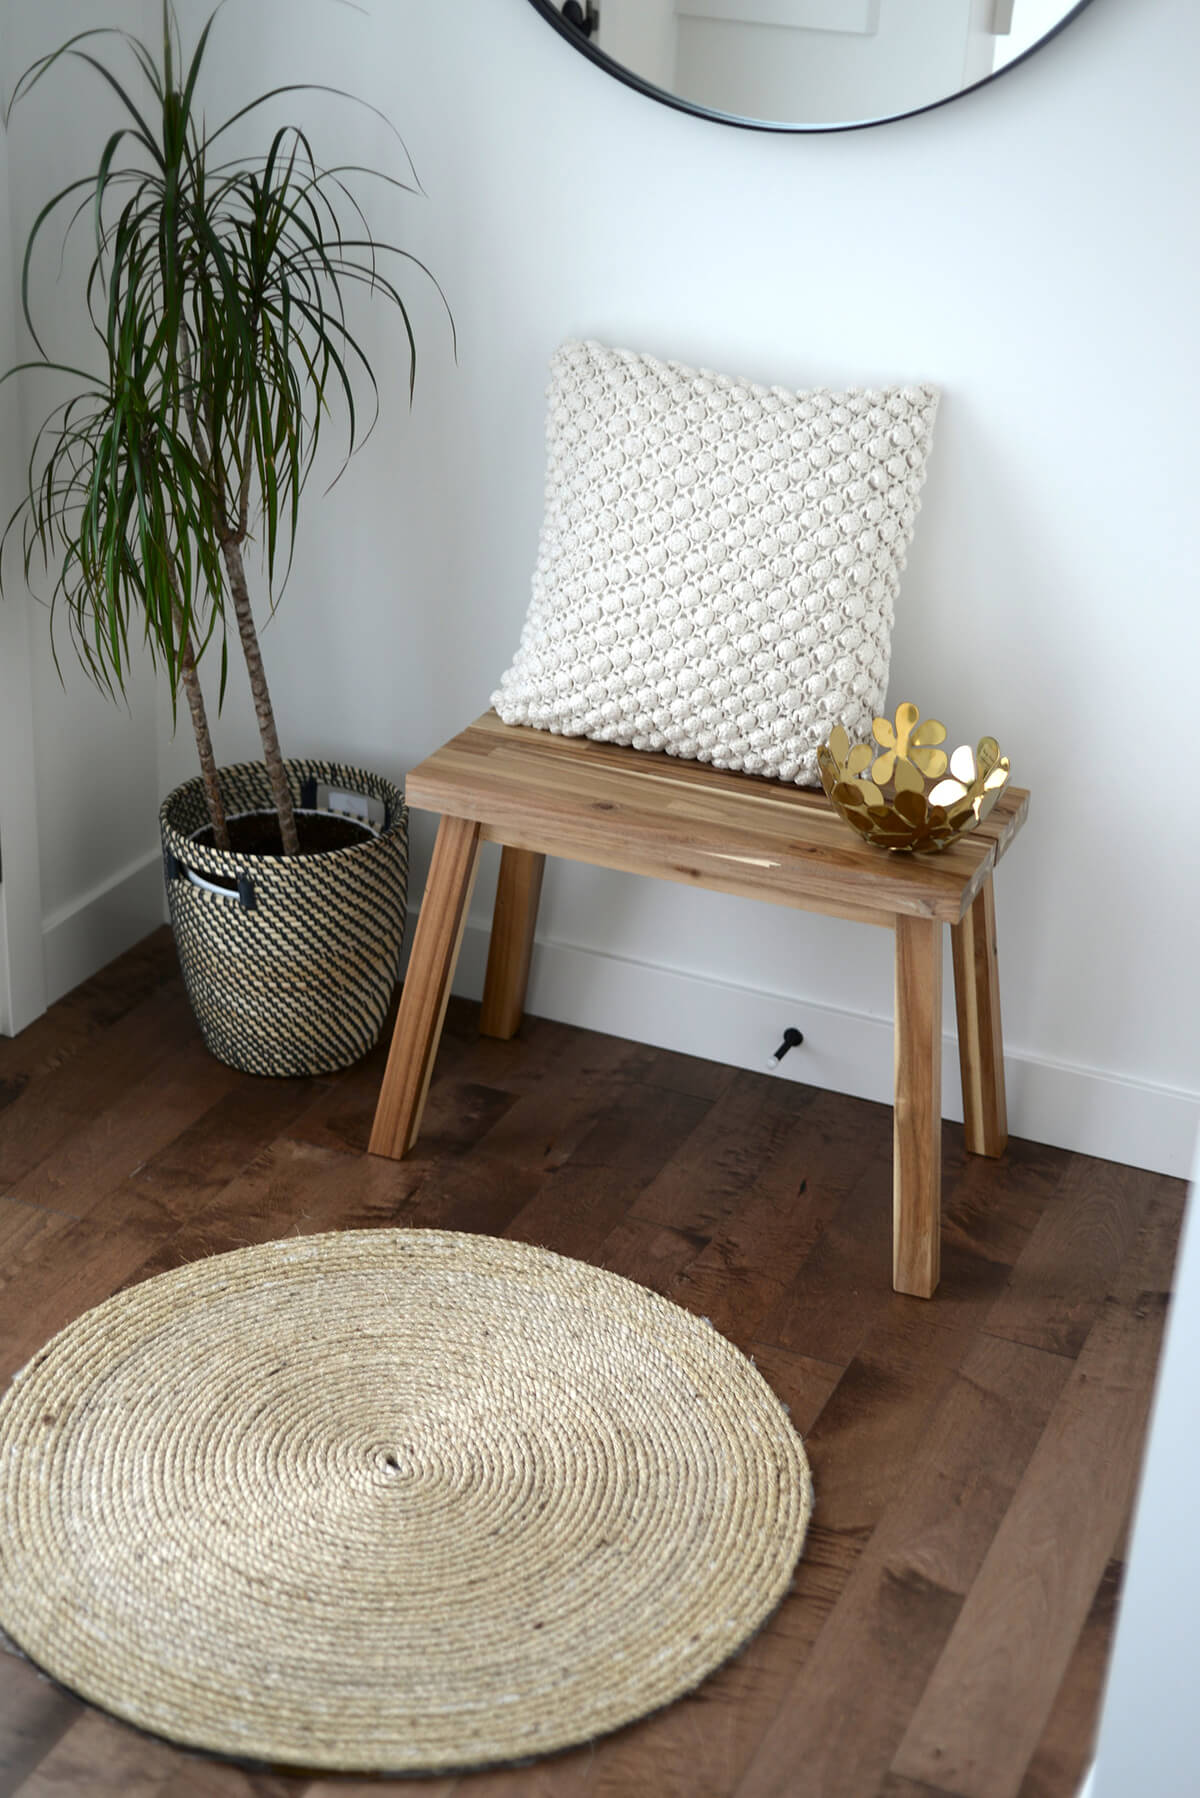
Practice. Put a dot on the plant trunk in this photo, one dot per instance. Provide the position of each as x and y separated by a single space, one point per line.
231 551
208 761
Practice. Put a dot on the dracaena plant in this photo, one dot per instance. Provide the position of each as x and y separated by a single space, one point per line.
216 296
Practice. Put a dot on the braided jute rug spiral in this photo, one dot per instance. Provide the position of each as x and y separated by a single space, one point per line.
391 1500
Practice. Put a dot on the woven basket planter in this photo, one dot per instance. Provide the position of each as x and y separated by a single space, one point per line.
291 962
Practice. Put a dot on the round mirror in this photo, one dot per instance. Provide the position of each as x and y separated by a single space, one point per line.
807 65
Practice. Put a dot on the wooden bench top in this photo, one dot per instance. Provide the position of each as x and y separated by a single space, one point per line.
679 820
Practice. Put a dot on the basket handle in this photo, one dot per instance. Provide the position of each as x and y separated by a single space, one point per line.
243 892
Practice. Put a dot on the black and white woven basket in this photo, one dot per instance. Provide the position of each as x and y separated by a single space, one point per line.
289 961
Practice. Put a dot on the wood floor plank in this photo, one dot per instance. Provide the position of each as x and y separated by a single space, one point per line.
53 1267
82 1169
974 1456
987 1703
291 1189
990 1211
766 1236
708 1183
847 1710
1065 1751
519 1063
843 1732
896 1787
34 1713
86 1013
588 1195
574 1209
343 1111
195 1776
844 1283
804 1385
52 1109
875 1421
100 1758
174 1186
1079 1242
690 1074
592 1112
991 1208
644 1128
652 1255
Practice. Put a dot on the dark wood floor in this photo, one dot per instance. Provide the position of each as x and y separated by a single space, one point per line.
975 1457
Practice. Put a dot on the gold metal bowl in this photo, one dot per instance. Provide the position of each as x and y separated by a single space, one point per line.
907 793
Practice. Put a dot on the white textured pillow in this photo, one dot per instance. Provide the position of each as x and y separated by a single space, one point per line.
718 563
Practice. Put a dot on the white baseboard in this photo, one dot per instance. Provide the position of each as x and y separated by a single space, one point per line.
1079 1108
82 936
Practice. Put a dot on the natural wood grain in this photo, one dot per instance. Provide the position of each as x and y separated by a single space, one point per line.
844 1284
804 1384
896 1787
873 1424
510 950
52 1267
148 1116
537 794
980 1039
541 1129
33 1715
917 1167
89 1011
848 1708
426 988
678 820
96 1757
649 1254
723 1162
1064 1753
1080 1240
974 1459
644 1128
68 1096
198 1777
993 1218
774 1216
987 1703
291 1189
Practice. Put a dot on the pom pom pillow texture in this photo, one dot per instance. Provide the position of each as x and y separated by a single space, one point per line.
718 563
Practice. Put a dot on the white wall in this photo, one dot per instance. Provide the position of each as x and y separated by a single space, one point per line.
22 981
1028 247
95 773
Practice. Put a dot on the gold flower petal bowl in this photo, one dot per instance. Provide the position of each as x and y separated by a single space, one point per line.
904 792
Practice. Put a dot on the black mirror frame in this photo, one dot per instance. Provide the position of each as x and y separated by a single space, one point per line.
553 15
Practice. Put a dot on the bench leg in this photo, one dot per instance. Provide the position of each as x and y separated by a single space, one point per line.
980 1040
511 949
426 988
917 1151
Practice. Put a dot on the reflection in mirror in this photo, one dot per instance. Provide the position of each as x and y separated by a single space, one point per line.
809 64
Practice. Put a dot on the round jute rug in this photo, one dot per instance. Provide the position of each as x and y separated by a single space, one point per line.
391 1500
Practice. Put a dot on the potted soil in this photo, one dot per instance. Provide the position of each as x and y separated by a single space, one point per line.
217 294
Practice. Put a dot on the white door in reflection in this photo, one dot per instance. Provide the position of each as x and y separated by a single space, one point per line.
820 62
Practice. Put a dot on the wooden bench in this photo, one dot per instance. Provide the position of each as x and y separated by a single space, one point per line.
539 794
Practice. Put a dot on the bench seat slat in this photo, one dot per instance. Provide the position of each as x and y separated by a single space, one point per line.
676 820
